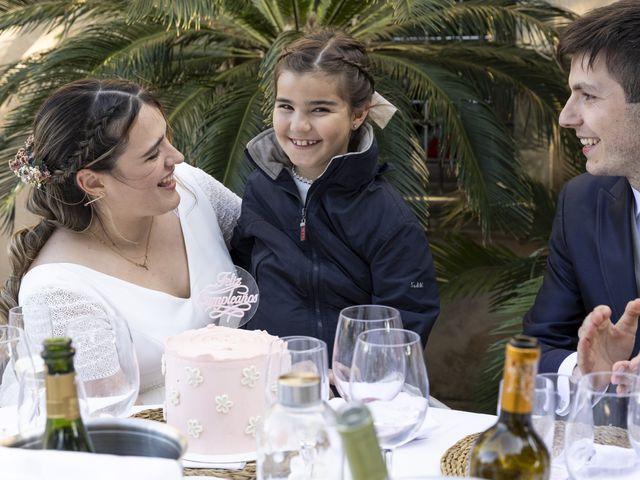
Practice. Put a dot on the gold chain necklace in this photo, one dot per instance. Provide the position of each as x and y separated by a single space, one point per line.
114 247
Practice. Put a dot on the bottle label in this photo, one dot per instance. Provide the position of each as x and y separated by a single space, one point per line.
355 425
62 397
520 369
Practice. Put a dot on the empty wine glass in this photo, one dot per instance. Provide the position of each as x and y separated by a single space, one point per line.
351 323
106 364
554 395
297 354
36 322
601 424
18 388
388 373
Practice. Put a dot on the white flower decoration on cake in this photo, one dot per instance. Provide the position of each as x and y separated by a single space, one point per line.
194 377
174 397
223 403
163 365
252 425
194 428
250 376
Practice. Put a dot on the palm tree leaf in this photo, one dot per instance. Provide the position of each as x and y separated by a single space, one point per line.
229 125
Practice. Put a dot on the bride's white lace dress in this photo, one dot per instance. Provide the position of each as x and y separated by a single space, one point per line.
208 212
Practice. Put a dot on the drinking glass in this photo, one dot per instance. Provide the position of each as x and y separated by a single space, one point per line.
601 424
554 395
17 387
36 322
351 323
388 373
296 354
106 364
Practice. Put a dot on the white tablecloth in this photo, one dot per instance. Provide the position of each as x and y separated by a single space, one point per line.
420 457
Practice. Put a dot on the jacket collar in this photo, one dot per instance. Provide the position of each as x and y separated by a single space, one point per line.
351 169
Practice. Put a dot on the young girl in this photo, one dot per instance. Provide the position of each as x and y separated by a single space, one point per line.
320 229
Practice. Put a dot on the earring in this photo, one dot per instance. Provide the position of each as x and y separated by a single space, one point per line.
99 197
355 126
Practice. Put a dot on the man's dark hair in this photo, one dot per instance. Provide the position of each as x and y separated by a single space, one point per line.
612 32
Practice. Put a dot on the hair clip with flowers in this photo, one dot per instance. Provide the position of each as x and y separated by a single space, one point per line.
23 165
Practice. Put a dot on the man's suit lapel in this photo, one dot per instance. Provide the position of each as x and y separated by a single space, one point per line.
615 245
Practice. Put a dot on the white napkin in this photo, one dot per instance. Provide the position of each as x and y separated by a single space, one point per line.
23 464
427 426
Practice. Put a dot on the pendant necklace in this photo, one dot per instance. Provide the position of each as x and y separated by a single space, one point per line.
115 249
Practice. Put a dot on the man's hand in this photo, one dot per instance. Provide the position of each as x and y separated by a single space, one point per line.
601 343
622 381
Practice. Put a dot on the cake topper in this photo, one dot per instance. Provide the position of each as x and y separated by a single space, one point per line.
232 299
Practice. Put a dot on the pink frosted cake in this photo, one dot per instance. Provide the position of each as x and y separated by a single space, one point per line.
215 387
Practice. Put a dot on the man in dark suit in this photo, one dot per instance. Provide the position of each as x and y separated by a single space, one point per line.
586 312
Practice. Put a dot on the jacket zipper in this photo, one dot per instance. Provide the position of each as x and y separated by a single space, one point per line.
316 293
303 219
315 271
303 225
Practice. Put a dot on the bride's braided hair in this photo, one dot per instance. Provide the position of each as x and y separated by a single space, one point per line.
84 124
331 53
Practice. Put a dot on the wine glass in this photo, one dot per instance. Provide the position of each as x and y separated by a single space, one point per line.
388 373
601 425
36 322
554 395
19 387
106 364
296 354
351 323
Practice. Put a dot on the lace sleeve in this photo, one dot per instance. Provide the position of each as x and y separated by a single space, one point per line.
225 203
92 333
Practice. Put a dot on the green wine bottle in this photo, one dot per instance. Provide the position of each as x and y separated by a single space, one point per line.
64 429
355 425
511 448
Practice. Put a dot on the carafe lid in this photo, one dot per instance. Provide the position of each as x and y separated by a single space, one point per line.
298 389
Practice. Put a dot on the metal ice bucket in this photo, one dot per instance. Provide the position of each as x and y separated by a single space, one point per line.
121 436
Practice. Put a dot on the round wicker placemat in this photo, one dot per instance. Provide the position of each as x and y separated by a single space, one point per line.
248 473
455 461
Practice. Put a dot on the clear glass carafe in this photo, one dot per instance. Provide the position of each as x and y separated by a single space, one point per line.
297 439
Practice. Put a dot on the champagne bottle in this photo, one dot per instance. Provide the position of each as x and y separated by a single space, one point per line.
64 429
360 443
511 448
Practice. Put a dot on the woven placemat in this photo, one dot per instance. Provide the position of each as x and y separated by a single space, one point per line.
247 473
455 461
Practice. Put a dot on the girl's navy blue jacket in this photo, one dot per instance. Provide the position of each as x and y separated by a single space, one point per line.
362 244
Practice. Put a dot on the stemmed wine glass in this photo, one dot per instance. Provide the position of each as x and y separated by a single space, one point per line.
351 323
388 373
106 364
19 387
601 437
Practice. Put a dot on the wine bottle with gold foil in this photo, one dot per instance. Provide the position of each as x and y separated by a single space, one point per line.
64 429
511 448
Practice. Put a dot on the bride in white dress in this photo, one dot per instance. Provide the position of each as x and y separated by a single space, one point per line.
127 228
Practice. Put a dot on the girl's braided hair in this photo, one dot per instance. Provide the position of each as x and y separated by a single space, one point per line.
331 53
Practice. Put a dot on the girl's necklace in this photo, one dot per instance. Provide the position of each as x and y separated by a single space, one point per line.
114 247
297 176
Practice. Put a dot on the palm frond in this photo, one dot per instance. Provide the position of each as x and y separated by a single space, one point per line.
509 315
229 125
